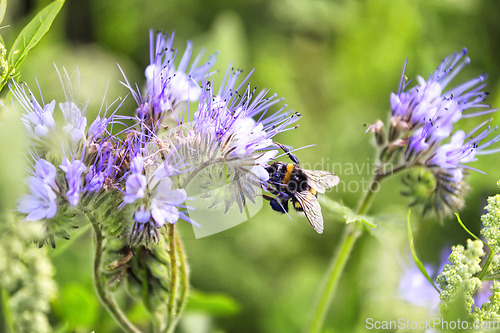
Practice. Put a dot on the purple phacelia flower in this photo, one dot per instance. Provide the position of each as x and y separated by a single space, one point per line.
39 121
422 133
40 203
230 117
163 208
94 179
98 127
45 171
168 85
165 202
137 164
429 111
136 181
75 121
73 172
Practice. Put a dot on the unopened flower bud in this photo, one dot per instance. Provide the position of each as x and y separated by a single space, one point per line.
378 131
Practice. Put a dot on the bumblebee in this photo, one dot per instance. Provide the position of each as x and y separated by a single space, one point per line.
288 181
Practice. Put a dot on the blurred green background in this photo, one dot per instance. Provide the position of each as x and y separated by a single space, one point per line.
336 62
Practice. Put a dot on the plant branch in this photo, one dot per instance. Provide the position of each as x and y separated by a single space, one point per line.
105 299
172 308
349 236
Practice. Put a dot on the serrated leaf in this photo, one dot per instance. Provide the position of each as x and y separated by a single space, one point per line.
347 213
3 7
419 264
33 33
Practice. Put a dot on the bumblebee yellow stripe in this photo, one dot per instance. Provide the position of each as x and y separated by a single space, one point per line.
288 175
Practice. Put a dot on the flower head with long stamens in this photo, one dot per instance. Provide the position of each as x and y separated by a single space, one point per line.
168 85
422 120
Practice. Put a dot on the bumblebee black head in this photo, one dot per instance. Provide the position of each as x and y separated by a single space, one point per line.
277 172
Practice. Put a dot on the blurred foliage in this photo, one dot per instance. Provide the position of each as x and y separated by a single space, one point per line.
336 62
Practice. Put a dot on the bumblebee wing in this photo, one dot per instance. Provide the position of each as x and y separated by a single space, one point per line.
321 180
312 209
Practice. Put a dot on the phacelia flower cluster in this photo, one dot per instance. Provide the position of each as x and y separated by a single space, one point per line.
185 134
422 134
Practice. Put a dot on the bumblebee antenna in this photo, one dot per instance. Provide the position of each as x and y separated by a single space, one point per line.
295 149
287 151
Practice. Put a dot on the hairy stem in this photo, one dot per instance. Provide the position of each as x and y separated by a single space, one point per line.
184 284
105 299
172 306
349 236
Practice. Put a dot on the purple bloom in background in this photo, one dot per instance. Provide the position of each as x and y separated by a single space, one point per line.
73 172
483 293
415 289
422 130
429 111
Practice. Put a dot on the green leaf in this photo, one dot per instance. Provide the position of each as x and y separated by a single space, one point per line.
465 228
419 264
215 304
347 213
33 33
470 232
3 7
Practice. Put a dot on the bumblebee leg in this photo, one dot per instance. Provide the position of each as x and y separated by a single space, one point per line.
276 205
292 157
268 197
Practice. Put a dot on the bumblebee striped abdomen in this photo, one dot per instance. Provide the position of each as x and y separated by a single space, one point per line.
296 203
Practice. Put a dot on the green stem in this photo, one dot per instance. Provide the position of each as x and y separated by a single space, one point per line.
6 311
486 265
375 186
107 301
172 308
184 280
349 236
